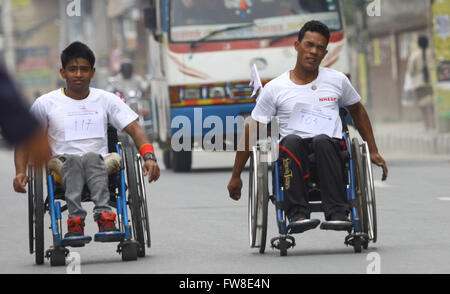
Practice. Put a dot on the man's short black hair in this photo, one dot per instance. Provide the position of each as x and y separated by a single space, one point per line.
77 50
314 26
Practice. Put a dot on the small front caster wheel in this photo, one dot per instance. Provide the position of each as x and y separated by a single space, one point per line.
58 256
283 247
129 251
357 244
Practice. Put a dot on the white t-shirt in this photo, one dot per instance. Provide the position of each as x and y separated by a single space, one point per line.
80 126
280 96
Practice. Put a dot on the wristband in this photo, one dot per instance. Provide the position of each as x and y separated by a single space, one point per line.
146 148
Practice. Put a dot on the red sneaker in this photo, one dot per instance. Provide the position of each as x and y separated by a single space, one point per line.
75 227
107 222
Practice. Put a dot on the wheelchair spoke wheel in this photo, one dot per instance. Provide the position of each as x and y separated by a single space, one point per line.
252 202
133 199
258 201
31 210
36 211
143 199
370 194
262 206
360 190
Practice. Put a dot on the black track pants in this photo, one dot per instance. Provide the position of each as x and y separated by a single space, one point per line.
296 170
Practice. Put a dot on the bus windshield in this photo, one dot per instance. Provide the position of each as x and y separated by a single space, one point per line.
192 20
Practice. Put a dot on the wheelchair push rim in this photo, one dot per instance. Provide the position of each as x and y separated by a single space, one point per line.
133 200
36 210
365 189
258 201
251 202
360 192
371 203
143 199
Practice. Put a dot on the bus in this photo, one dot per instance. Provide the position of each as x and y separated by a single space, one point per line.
201 53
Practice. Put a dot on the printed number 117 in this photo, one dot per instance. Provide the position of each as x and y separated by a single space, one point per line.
84 125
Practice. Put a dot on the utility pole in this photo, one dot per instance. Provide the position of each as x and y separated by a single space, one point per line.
62 25
363 41
100 41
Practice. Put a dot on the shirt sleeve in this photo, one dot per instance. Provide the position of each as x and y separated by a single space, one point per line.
349 94
265 107
120 114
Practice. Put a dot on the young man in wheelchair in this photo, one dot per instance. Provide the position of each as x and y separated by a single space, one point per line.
306 101
76 119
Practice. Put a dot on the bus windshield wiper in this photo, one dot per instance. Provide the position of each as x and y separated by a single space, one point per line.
282 37
215 32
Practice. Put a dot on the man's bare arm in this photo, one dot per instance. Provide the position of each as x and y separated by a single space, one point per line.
244 150
362 122
20 162
140 138
35 149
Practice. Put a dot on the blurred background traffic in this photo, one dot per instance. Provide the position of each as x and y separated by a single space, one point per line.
379 41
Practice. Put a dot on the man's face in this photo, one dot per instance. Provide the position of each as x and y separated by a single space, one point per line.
311 50
78 74
127 70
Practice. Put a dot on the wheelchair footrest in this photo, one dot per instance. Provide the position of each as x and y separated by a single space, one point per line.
75 241
337 225
114 236
302 226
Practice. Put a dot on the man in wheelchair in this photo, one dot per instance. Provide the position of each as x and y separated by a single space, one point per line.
306 102
76 119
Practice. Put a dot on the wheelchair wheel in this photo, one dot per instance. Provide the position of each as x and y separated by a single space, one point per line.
365 190
133 200
283 247
370 200
129 251
36 211
357 244
359 187
143 199
258 201
58 256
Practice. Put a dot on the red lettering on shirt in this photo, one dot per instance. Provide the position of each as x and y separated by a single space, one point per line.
327 99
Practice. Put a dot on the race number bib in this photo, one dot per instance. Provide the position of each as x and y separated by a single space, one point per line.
313 120
84 122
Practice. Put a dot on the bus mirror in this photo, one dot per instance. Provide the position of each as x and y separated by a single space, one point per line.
150 18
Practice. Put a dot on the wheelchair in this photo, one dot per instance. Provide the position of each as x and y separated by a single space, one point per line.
134 233
360 194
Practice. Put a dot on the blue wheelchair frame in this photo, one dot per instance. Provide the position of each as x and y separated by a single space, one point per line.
56 215
356 237
128 247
